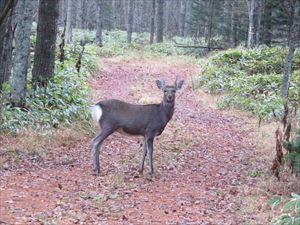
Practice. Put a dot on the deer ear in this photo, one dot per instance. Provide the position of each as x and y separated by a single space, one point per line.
160 84
178 84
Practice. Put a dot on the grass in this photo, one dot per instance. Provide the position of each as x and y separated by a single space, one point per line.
34 146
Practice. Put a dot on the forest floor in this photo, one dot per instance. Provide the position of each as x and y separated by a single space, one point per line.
205 163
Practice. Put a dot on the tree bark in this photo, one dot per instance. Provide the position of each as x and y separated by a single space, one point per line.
99 23
254 10
290 55
267 24
6 7
130 20
160 21
69 22
79 6
152 22
44 55
25 11
182 17
210 24
287 70
6 40
251 29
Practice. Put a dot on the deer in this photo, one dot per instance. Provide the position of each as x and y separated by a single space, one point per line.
148 121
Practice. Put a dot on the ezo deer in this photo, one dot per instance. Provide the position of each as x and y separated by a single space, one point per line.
145 120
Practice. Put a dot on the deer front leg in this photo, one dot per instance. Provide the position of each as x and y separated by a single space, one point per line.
150 154
141 169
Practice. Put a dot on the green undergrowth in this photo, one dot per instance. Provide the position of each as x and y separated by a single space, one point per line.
115 44
64 101
250 80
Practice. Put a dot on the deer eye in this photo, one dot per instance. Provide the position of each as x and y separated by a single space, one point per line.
165 91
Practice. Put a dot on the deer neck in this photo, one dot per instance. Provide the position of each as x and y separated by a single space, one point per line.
167 109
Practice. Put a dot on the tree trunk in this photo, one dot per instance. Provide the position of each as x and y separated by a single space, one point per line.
44 55
182 17
160 21
152 21
254 10
189 8
130 20
234 24
99 23
6 40
210 24
251 30
290 56
287 70
69 22
258 21
267 18
5 9
79 6
25 11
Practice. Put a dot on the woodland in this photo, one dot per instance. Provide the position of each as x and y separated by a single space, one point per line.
229 155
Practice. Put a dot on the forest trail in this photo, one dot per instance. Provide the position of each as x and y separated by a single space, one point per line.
199 163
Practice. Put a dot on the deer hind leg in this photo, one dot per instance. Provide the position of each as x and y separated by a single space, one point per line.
145 149
97 141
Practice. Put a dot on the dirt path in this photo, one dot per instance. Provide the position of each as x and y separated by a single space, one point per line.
198 163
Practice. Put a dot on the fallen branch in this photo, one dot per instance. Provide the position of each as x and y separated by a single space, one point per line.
180 45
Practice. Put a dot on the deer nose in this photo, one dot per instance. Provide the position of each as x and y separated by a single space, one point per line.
170 98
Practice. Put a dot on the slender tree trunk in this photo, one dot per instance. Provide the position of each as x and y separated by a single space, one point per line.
79 6
62 13
290 55
44 55
25 11
6 40
267 22
234 21
99 23
152 21
254 10
160 21
113 12
251 30
130 20
258 21
287 70
187 30
182 17
210 24
69 22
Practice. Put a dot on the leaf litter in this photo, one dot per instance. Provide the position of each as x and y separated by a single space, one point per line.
199 163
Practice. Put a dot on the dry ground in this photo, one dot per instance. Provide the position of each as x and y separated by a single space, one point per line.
209 166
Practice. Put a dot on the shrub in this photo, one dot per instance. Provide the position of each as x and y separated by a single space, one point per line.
252 79
291 211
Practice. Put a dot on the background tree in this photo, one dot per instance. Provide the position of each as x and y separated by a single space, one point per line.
25 13
44 54
152 21
130 20
6 39
99 24
182 17
293 15
69 22
160 22
254 8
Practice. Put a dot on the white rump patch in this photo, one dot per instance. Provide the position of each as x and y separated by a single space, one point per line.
96 113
